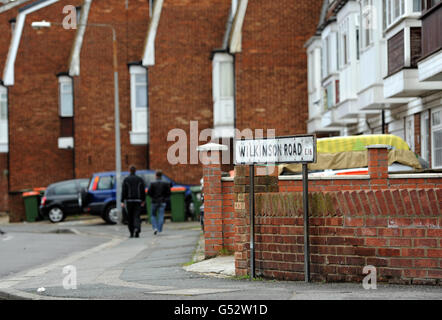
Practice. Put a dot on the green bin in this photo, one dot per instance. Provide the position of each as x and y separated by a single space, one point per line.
31 205
177 204
196 198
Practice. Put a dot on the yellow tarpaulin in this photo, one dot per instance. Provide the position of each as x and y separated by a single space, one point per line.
350 152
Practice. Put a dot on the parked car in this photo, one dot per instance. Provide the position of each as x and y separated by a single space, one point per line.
100 198
62 198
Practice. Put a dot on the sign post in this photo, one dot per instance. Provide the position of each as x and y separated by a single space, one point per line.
292 149
252 221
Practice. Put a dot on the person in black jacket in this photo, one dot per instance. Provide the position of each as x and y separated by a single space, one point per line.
133 198
159 191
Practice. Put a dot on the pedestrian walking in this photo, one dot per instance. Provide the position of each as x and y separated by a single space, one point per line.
159 191
133 198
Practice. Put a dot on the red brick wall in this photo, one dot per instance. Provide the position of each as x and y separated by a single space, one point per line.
347 232
35 160
94 88
271 70
181 80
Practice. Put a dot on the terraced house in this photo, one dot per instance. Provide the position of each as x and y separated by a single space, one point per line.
223 63
375 66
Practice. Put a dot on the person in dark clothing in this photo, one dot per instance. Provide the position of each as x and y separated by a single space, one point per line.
159 191
133 198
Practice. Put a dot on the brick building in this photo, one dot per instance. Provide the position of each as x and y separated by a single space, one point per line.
226 64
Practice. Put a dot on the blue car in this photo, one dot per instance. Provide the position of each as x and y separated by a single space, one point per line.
100 198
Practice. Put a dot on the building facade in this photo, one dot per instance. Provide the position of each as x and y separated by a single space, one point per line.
375 67
183 65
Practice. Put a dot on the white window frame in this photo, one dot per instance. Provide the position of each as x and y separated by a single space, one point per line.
140 130
435 127
325 57
4 119
391 6
223 105
63 83
344 44
409 132
368 22
425 135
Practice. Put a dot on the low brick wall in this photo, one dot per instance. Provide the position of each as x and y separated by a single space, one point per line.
347 232
393 222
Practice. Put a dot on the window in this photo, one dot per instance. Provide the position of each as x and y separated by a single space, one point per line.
223 85
358 41
66 188
343 57
3 116
329 100
226 79
436 137
140 91
311 71
325 50
66 97
139 105
368 20
394 10
105 183
409 131
417 5
425 135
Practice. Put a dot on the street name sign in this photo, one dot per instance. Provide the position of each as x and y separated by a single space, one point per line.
293 149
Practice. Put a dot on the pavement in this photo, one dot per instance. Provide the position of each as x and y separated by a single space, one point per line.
87 259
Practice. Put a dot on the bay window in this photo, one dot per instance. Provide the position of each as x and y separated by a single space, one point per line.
394 9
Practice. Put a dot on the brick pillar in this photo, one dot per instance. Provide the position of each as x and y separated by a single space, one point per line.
263 184
213 220
378 164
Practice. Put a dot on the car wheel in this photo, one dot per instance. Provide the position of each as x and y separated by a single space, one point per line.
56 215
111 214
